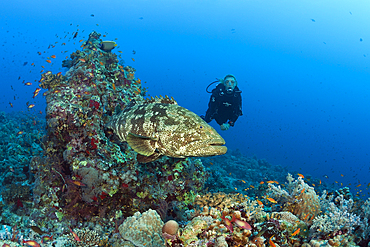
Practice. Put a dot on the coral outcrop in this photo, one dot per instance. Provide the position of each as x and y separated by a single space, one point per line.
143 229
86 171
298 198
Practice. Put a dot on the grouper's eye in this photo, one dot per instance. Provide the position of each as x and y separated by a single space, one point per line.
201 127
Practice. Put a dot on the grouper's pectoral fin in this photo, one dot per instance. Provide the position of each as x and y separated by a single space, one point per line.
141 144
145 159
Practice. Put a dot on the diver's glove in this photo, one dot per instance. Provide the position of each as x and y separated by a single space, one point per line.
225 126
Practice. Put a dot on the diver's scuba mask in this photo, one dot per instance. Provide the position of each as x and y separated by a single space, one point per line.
230 84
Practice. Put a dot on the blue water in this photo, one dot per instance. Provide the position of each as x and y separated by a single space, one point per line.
303 67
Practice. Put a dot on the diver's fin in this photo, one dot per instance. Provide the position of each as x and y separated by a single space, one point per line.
141 144
145 159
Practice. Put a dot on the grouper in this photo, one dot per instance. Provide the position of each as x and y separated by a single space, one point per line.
160 127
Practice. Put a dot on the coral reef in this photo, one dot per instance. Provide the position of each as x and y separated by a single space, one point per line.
77 184
86 171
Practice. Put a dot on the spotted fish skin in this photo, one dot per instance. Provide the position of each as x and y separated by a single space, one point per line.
161 127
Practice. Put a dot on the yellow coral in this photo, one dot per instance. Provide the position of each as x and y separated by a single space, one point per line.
219 200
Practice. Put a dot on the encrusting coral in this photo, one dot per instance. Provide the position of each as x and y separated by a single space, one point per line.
143 229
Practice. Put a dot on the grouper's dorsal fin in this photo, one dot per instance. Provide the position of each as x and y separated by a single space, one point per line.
141 144
162 100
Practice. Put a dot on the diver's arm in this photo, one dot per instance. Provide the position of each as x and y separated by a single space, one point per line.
212 106
237 111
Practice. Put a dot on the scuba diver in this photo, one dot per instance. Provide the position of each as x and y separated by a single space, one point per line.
225 105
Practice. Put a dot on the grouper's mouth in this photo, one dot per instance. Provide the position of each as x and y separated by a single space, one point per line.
215 146
215 142
204 148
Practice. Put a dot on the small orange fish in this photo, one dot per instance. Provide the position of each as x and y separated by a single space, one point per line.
46 238
342 175
260 203
133 59
63 43
81 40
78 183
251 186
228 224
32 64
271 243
59 73
10 103
75 235
36 92
241 223
303 190
20 133
271 199
41 71
114 86
28 83
270 182
31 106
82 60
296 232
300 175
31 243
53 56
101 63
358 185
48 61
262 182
42 66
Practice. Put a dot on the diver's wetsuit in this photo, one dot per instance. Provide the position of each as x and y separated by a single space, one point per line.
223 106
